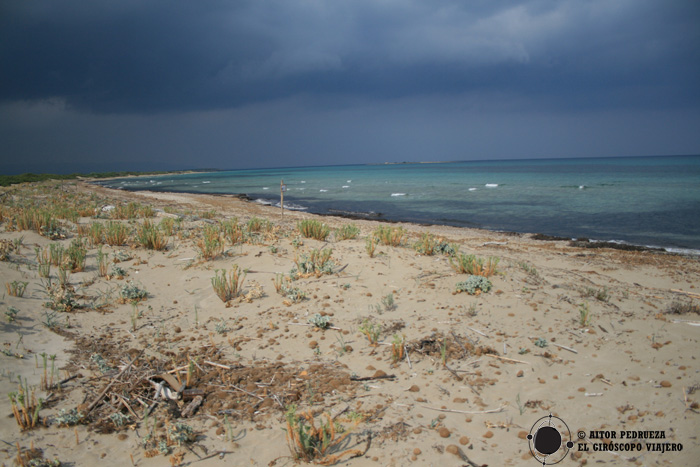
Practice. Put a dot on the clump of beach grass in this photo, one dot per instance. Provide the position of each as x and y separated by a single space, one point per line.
116 233
211 243
228 287
347 232
315 263
150 237
390 236
16 288
311 228
470 264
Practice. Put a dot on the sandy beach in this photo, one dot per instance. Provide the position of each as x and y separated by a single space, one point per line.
141 363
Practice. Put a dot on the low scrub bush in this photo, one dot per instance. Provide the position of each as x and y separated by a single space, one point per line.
391 236
470 264
474 285
311 228
228 287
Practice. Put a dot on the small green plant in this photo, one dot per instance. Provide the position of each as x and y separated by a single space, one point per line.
150 237
221 327
316 263
599 294
398 348
56 252
443 352
470 264
101 262
310 443
96 233
51 320
130 292
101 363
25 406
16 288
68 418
371 331
541 342
116 233
320 321
388 302
43 260
11 314
521 408
167 225
284 288
117 272
474 285
347 232
228 288
426 245
211 244
390 236
311 228
75 255
584 312
232 231
371 246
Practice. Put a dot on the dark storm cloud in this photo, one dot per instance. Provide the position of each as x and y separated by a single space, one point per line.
156 56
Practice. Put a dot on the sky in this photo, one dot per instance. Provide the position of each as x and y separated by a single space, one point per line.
181 84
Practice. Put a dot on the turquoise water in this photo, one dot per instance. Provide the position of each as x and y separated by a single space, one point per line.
653 201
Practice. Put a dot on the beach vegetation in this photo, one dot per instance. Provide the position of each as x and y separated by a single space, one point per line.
150 237
167 226
75 256
228 287
101 262
283 287
681 308
43 260
315 263
584 312
470 264
599 294
25 406
371 331
6 247
371 246
541 342
388 302
16 288
116 233
11 314
131 292
132 210
96 233
390 236
474 285
398 348
232 231
311 228
317 444
320 321
426 245
211 244
347 232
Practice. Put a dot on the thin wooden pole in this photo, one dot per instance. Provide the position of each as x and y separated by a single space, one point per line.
282 187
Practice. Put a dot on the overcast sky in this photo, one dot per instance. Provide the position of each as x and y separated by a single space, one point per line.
168 84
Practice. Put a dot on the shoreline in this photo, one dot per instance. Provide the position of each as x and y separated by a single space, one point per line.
561 327
582 242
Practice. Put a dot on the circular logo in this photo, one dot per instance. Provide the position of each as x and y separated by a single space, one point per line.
546 440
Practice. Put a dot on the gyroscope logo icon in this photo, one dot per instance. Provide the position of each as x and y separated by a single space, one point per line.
546 440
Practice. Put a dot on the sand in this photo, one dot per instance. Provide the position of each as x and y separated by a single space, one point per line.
477 371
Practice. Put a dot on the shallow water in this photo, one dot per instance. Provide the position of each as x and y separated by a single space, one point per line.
653 201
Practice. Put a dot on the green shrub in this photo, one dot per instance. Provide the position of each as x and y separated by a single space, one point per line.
130 292
391 236
316 263
150 237
470 264
474 284
311 228
116 233
228 288
74 258
347 232
211 244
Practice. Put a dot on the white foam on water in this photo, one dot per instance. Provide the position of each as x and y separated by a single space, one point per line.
266 188
398 194
581 187
472 189
346 186
323 191
303 181
206 181
491 185
349 181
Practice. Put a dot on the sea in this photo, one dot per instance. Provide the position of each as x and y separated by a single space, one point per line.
645 201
